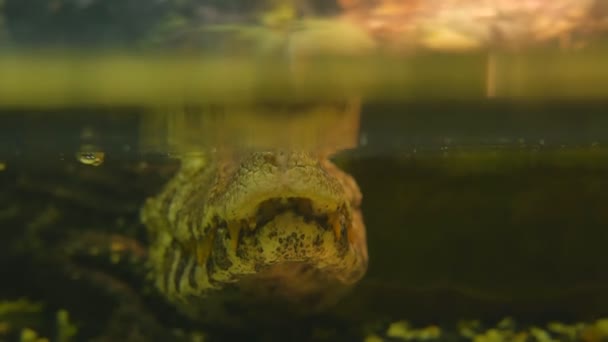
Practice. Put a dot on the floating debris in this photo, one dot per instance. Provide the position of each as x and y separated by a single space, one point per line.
90 155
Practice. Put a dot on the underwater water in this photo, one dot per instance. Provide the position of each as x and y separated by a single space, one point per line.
479 215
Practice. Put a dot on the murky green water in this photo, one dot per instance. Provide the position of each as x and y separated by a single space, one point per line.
483 168
474 210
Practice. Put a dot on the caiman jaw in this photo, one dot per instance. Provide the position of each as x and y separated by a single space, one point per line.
316 232
336 221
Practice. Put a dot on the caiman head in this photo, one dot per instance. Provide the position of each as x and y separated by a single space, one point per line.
275 228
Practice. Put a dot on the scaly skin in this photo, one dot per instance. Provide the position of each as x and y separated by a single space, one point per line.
271 228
